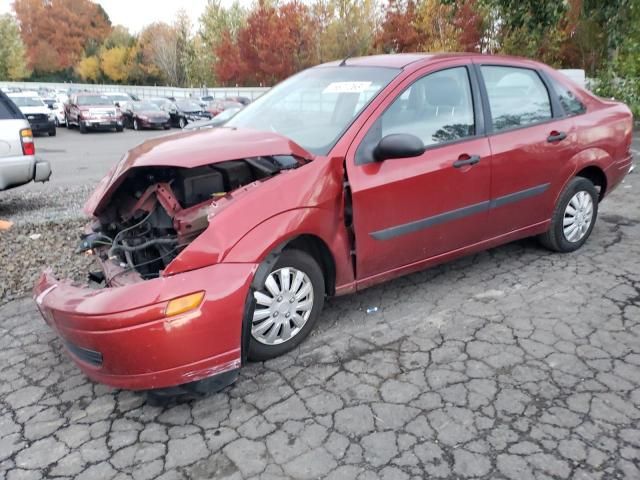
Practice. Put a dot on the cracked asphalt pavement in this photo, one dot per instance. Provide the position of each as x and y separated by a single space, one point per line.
515 363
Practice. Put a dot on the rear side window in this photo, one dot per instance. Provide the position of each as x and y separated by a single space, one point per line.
517 97
8 110
570 103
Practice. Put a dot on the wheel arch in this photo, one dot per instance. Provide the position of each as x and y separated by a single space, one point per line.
597 176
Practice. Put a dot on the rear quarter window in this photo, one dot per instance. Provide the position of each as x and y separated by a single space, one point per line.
8 109
570 103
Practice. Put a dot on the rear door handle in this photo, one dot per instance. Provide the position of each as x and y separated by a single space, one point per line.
466 160
556 137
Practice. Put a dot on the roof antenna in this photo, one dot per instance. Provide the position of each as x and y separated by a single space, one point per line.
349 55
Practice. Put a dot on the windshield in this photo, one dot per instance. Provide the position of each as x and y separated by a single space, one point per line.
94 100
27 101
227 114
188 106
146 106
315 107
119 98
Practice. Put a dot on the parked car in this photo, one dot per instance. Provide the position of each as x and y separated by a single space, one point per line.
243 100
140 115
220 245
218 106
18 162
205 100
92 111
56 105
216 121
185 111
41 118
118 99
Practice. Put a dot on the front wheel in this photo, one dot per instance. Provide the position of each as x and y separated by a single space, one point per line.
83 127
573 218
182 122
136 126
287 306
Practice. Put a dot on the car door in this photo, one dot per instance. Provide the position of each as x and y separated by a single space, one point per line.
532 142
406 210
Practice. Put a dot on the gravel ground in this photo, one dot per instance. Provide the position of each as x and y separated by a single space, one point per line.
29 247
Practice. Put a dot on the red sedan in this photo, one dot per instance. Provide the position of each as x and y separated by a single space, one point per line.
217 246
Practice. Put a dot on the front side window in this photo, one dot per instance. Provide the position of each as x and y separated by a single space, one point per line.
517 97
570 103
437 108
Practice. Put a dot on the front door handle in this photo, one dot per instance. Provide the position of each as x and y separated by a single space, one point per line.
556 137
466 160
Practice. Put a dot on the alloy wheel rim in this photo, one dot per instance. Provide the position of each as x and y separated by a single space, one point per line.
578 216
283 306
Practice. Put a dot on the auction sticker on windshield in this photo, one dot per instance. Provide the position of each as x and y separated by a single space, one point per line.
346 87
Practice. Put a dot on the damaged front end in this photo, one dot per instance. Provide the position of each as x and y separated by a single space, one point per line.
157 211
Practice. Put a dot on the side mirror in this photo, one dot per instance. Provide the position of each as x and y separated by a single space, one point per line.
117 104
398 145
50 106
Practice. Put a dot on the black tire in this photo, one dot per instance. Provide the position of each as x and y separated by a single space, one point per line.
52 133
83 127
67 123
136 125
167 127
119 128
304 262
554 239
182 122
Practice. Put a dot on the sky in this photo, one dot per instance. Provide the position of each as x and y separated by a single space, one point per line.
135 14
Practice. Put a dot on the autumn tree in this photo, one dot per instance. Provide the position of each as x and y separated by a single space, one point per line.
397 32
350 30
275 43
434 23
55 32
113 62
88 69
13 60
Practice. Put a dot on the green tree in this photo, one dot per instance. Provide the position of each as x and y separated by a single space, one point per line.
13 61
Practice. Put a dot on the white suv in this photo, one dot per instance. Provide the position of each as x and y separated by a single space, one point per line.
18 162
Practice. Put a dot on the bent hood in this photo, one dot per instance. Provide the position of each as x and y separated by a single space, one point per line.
193 149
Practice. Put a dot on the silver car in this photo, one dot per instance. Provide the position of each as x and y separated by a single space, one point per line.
18 162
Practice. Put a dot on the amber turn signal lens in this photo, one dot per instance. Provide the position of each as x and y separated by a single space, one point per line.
183 304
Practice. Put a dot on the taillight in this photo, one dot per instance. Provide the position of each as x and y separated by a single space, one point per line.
26 137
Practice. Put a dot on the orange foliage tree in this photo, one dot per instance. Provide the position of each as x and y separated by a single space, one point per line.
56 32
275 43
397 32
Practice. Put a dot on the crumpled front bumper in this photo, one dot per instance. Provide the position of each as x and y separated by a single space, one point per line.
121 336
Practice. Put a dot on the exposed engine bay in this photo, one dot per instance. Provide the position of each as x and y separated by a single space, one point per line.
157 211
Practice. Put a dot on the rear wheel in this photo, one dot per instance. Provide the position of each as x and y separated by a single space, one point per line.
182 122
287 306
573 218
136 126
52 133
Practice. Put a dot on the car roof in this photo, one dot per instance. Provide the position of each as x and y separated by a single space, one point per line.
403 60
